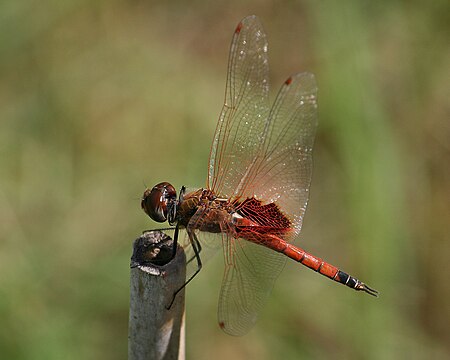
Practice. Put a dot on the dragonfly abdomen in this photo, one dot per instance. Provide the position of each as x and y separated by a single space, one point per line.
315 263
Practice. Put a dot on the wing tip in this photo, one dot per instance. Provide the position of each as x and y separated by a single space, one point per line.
306 80
246 21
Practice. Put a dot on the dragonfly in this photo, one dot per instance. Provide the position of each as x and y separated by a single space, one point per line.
257 187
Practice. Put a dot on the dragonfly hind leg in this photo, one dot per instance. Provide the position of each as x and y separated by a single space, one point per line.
197 248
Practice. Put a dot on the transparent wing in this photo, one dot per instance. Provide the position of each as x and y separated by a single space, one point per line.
281 174
238 135
282 170
250 269
260 154
250 273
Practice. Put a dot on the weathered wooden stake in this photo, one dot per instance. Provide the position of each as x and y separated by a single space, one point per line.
155 332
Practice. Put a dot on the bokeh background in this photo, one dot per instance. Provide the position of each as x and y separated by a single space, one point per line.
98 98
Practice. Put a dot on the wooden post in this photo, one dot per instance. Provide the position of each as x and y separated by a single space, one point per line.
155 332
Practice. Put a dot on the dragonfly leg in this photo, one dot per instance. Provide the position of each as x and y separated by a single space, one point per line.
196 247
175 237
199 247
175 241
163 229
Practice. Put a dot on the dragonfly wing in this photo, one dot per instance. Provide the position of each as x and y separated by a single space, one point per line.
237 139
281 174
282 171
250 273
257 153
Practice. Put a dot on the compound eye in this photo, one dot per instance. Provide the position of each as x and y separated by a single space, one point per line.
156 201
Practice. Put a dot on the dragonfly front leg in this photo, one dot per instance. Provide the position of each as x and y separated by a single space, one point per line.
175 241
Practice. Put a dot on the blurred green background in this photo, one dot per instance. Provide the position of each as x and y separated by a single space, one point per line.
99 97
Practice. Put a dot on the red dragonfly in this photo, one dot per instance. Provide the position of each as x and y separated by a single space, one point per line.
258 183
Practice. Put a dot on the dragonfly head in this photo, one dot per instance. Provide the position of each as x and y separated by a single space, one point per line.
160 202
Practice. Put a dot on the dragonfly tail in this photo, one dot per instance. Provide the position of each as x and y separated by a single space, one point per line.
363 287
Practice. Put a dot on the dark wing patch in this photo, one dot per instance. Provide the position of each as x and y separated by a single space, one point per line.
266 215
